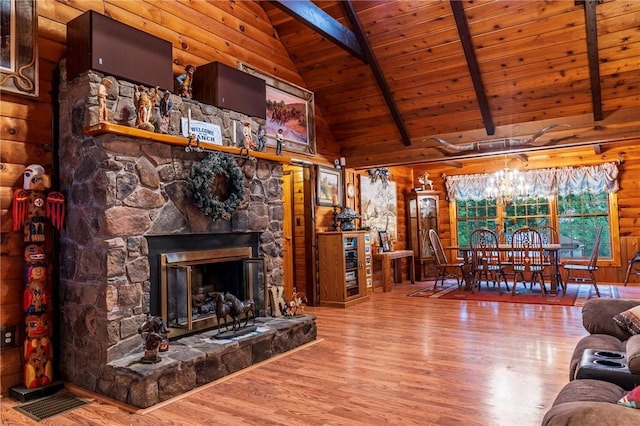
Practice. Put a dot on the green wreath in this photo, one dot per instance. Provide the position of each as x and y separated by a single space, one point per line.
217 185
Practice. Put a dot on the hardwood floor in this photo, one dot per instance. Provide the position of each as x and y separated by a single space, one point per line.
392 360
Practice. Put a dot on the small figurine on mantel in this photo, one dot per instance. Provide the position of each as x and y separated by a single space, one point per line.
143 107
103 112
279 140
262 134
247 137
185 81
166 108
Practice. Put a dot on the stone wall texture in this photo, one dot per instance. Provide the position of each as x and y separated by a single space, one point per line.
120 190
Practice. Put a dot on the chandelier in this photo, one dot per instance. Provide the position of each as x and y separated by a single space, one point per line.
507 185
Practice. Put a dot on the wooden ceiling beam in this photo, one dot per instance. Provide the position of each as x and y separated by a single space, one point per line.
312 16
377 71
472 62
594 61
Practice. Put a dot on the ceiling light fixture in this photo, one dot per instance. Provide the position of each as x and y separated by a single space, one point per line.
506 185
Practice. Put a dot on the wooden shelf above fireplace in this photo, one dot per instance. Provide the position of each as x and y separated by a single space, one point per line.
103 128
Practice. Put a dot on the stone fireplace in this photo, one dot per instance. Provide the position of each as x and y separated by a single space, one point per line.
128 211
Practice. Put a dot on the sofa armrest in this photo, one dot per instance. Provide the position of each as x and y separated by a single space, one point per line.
580 413
597 316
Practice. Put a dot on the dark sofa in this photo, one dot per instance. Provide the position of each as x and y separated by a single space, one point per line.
594 402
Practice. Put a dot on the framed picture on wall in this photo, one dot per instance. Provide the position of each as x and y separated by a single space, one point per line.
290 113
329 186
385 243
19 52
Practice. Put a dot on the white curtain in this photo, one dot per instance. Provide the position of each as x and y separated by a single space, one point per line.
542 182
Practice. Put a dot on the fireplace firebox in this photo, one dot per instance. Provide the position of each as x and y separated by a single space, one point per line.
188 273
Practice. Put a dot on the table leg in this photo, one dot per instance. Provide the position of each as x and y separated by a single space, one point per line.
467 270
397 270
386 274
412 269
555 271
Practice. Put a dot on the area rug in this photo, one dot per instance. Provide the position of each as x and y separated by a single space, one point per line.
577 294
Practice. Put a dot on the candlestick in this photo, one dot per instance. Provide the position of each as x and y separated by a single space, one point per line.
189 122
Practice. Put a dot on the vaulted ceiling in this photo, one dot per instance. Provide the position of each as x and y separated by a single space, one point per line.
407 82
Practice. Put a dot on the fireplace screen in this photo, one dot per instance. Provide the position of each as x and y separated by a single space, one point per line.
191 282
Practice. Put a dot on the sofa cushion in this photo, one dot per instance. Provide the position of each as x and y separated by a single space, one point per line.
633 353
629 320
594 341
597 316
590 390
590 402
582 413
631 399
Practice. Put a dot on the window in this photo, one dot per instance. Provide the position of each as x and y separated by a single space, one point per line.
473 215
531 212
576 217
583 199
579 217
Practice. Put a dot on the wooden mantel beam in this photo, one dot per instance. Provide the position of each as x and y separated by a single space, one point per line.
116 129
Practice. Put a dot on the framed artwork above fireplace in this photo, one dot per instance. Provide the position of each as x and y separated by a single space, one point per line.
289 108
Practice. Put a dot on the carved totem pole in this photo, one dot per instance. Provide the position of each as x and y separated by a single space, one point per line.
32 206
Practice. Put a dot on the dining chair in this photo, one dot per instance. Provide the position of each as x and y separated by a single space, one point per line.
550 235
486 259
589 268
444 269
527 257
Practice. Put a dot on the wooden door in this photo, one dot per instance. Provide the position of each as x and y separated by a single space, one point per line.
287 232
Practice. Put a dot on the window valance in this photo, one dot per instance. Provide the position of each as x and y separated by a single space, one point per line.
542 182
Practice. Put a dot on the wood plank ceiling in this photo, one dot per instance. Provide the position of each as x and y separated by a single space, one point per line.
447 80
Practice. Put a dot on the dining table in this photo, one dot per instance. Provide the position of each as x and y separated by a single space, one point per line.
551 248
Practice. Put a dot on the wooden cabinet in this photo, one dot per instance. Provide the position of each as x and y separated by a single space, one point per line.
342 268
422 209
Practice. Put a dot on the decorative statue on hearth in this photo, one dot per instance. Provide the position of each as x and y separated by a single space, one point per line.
238 308
185 81
153 332
223 309
296 304
32 205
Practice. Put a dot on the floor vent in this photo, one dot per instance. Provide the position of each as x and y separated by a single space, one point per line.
50 406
